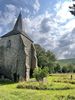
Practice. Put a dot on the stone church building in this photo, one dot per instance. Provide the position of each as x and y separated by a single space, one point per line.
17 54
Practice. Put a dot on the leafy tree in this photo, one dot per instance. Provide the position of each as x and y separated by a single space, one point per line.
41 55
40 73
45 58
51 69
64 69
51 56
57 68
70 67
72 9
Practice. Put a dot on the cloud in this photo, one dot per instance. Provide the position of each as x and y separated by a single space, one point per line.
66 45
63 11
6 17
11 10
52 30
45 27
0 30
40 29
11 7
36 5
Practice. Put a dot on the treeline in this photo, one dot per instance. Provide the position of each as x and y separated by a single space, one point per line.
46 58
65 68
69 68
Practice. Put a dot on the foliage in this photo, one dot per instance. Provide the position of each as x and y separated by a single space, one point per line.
68 68
72 9
64 69
42 86
51 69
67 65
57 68
45 58
34 85
40 73
57 82
48 59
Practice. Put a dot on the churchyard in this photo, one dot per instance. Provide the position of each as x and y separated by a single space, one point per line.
54 87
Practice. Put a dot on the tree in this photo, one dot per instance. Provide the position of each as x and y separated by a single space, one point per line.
70 67
64 69
40 73
57 68
72 9
51 56
41 56
45 58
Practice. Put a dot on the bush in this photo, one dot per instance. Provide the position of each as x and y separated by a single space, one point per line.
40 73
34 86
64 69
43 86
57 68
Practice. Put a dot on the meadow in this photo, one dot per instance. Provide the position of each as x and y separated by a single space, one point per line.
60 87
63 62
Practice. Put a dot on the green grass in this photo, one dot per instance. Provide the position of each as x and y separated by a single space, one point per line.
55 81
66 61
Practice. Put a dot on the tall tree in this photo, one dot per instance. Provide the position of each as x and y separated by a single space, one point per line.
45 58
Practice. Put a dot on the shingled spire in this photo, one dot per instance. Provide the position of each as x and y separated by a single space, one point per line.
18 29
18 24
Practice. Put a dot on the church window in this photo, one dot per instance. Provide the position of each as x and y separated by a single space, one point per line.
9 44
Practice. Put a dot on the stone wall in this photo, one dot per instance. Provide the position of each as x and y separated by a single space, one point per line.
27 49
14 56
33 57
17 56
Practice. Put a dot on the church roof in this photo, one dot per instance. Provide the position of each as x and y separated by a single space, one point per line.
18 25
18 29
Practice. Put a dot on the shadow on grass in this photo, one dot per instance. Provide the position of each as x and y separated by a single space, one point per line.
6 82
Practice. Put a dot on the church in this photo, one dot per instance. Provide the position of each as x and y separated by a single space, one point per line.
17 54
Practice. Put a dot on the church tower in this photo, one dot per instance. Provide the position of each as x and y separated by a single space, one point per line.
18 53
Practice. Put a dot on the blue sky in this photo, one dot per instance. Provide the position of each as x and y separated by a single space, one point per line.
48 22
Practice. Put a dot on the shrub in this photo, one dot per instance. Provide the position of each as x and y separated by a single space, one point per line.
40 73
34 86
57 68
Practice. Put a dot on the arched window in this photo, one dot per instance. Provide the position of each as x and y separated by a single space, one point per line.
8 43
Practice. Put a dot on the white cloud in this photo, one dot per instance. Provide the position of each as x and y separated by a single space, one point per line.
8 15
63 11
11 7
70 25
47 38
54 29
72 46
51 30
36 5
58 6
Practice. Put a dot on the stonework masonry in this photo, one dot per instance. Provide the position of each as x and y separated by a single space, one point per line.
17 54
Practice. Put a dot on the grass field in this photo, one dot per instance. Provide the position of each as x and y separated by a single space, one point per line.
66 61
62 87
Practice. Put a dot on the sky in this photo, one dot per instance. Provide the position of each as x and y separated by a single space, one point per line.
48 22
